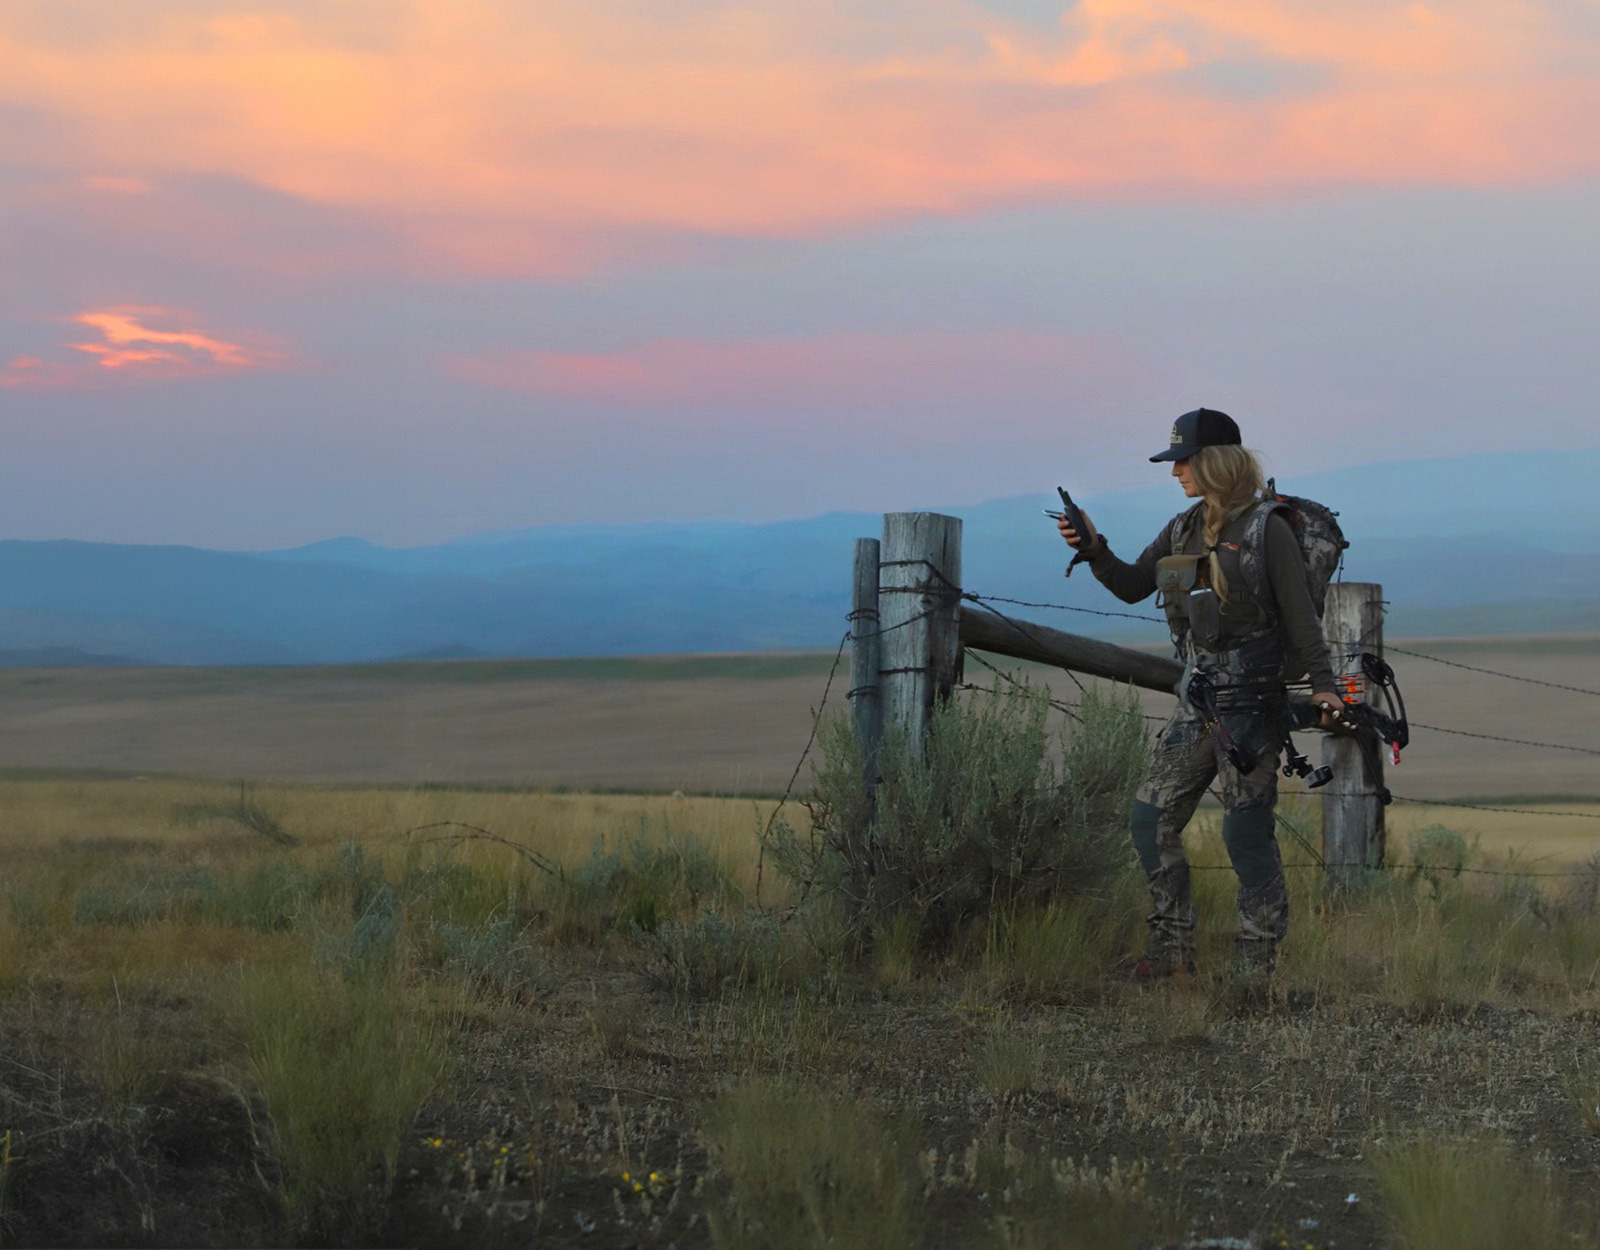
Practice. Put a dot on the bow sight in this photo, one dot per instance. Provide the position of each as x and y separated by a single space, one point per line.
1297 765
1362 717
1368 720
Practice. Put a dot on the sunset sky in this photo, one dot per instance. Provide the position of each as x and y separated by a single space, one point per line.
411 269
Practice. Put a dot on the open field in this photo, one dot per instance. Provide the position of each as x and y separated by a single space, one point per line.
215 1037
728 725
384 992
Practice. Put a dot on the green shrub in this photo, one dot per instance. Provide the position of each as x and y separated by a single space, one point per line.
351 881
356 884
450 893
29 908
1461 948
158 896
128 1058
494 954
638 891
1582 1080
714 952
989 814
267 897
1438 854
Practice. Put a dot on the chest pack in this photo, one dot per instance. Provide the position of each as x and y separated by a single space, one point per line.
1193 609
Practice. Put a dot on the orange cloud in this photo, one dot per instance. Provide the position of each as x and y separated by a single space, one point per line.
122 186
537 139
130 349
842 373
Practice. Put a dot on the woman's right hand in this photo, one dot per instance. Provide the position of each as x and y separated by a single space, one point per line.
1075 540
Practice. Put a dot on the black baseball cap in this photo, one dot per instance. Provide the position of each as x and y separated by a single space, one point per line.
1204 427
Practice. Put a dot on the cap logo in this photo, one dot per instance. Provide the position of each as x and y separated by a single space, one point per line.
1176 437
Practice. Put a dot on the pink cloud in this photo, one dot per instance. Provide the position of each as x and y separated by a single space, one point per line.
840 373
550 139
129 348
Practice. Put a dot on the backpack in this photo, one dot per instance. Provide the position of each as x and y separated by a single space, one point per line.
1315 527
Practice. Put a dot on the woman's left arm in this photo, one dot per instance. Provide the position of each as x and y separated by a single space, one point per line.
1286 574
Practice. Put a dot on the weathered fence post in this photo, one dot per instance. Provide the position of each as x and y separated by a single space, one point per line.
919 612
866 699
1353 832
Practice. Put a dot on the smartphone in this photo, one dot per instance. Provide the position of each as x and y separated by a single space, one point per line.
1070 511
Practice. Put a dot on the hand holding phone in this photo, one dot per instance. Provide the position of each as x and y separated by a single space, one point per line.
1075 528
1071 519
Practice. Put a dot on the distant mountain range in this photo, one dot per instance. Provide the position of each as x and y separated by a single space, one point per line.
1482 544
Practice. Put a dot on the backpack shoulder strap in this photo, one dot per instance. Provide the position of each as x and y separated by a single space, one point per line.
1253 551
1183 526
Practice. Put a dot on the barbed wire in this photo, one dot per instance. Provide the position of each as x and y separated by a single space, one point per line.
1473 668
1521 742
1464 733
1317 862
987 602
816 722
1066 708
1060 607
1024 627
1484 807
1450 870
852 636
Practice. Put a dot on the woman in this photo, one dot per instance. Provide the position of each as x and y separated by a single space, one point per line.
1233 583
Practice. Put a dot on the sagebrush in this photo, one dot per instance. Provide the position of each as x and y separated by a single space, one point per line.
992 813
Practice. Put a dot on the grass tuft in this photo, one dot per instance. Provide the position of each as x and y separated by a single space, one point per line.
10 1168
1007 1059
805 1169
342 1073
1470 1195
1063 1204
1055 951
1583 1087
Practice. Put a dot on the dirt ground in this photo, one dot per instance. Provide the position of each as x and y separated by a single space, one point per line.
729 725
590 1055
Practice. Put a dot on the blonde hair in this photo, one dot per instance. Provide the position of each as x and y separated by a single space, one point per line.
1231 480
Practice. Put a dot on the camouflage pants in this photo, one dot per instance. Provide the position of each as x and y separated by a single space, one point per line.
1185 762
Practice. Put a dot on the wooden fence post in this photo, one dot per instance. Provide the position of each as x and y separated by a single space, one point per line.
919 611
866 698
1353 833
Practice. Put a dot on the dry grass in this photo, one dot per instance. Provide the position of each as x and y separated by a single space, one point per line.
810 1170
730 725
212 1037
1474 1195
342 1070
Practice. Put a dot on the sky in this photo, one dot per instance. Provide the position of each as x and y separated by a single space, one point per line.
277 271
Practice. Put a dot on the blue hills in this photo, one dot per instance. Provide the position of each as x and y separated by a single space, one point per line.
1472 545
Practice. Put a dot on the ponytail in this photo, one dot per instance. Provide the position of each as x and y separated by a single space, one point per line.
1231 480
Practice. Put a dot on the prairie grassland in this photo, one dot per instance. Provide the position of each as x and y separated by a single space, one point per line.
722 724
291 1014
